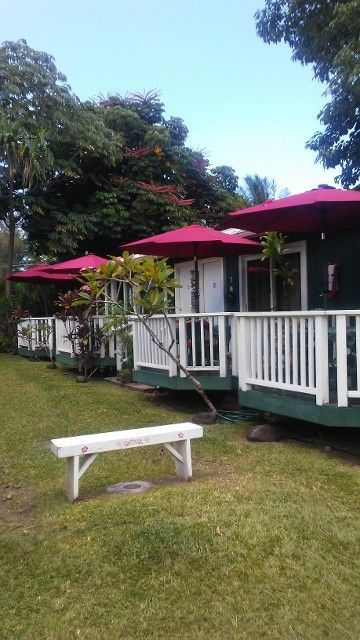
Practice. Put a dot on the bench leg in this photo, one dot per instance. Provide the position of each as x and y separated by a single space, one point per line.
72 478
184 467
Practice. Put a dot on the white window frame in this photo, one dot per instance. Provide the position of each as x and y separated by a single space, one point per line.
291 247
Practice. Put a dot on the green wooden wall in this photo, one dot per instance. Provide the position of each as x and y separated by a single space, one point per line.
342 248
231 289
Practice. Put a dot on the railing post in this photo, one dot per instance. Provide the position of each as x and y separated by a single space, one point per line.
135 332
172 335
357 343
33 335
322 359
183 345
56 336
52 337
234 345
243 340
118 358
102 336
341 361
117 350
222 347
111 341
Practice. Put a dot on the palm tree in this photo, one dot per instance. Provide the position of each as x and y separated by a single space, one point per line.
256 189
24 161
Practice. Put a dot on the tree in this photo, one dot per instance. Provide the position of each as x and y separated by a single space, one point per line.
157 184
257 190
25 160
20 248
325 34
44 131
153 287
226 177
273 249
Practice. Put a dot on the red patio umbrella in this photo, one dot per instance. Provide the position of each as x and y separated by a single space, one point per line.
37 275
76 265
195 242
319 210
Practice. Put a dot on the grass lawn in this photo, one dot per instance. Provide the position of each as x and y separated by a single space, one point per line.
262 543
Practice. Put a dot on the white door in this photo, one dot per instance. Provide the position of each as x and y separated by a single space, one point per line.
212 289
183 294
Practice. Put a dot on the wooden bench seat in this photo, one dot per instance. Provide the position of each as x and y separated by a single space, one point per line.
81 451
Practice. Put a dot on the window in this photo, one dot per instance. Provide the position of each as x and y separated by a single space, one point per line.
263 290
258 285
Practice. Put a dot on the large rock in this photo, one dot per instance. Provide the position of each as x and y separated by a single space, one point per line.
264 433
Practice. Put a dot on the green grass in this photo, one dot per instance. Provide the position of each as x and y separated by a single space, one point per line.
263 543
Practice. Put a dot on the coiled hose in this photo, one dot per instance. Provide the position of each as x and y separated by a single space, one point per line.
248 415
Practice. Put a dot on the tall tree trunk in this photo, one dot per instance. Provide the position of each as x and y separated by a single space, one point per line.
11 242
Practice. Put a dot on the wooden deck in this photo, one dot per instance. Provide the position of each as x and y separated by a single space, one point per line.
302 364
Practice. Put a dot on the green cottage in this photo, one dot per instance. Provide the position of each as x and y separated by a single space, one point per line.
301 362
295 354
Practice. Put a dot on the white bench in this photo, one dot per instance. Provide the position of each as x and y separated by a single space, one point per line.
81 451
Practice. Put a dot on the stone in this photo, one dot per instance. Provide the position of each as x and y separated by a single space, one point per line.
80 379
206 417
264 433
137 486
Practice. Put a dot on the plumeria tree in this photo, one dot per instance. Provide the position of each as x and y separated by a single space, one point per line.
153 285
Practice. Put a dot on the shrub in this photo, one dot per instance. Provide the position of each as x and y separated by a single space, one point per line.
36 300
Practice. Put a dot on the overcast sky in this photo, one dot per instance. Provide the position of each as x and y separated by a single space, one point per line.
245 103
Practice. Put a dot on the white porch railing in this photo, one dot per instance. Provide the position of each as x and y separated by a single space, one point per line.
347 355
286 351
41 333
200 342
63 344
146 353
106 344
316 353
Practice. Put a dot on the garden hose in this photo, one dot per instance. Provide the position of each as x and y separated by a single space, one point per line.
249 415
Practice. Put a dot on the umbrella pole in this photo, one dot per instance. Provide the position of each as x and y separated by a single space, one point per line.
323 271
196 305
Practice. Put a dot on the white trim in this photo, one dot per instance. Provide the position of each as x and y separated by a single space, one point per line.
177 268
291 247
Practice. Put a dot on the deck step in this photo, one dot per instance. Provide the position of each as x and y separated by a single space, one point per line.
140 386
136 386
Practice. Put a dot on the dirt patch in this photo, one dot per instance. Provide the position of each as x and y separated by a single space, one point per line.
16 505
343 443
185 401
